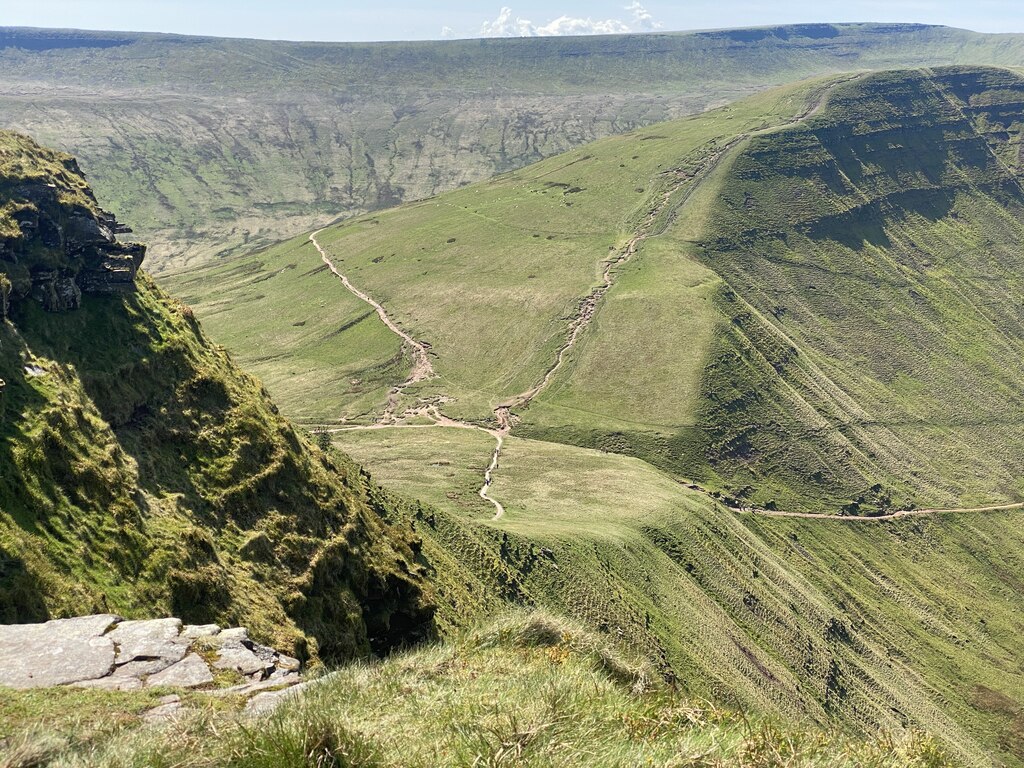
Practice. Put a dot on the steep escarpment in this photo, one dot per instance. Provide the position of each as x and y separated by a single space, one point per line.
288 136
871 264
142 473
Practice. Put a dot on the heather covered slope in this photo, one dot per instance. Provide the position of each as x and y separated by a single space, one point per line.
291 135
141 472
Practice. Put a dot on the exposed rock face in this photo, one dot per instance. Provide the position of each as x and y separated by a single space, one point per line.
104 651
56 243
5 293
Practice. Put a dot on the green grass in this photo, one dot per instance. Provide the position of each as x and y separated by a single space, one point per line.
306 335
689 373
864 624
289 136
527 690
808 330
510 259
443 467
734 371
144 469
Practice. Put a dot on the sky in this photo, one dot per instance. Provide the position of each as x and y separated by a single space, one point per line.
406 20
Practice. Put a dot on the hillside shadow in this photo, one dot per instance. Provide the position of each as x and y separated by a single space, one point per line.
865 225
17 397
22 594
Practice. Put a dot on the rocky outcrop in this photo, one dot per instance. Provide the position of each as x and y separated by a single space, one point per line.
105 651
56 243
139 412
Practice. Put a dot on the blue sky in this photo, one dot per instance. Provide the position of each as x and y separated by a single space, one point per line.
403 20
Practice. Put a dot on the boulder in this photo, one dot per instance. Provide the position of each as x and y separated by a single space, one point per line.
170 706
235 633
267 702
235 656
109 653
196 631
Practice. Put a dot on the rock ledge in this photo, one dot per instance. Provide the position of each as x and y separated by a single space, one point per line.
105 651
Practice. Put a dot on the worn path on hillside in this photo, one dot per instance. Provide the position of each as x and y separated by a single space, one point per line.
877 518
683 185
687 182
422 369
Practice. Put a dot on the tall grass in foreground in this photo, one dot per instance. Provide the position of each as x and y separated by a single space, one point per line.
530 690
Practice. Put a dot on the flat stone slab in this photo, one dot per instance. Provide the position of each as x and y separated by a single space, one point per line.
170 706
196 631
247 689
147 640
58 652
143 667
111 683
190 672
106 652
235 633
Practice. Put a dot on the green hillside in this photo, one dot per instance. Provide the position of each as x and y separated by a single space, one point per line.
710 363
141 472
856 624
213 146
821 313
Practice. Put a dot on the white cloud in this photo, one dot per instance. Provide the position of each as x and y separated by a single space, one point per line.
642 19
509 25
566 25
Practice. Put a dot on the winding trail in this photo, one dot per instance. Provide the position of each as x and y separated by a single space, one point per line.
878 518
422 368
687 181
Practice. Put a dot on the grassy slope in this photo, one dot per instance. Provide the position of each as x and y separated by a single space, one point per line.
825 619
863 388
852 622
144 473
292 134
880 243
913 623
510 258
528 690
